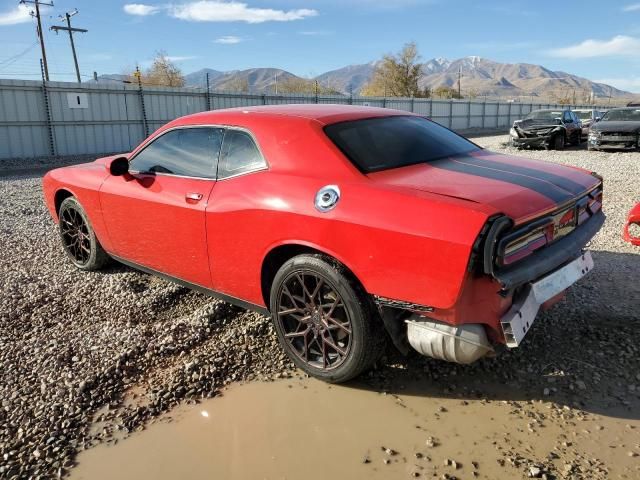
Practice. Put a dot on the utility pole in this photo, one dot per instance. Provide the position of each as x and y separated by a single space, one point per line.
37 3
460 82
67 16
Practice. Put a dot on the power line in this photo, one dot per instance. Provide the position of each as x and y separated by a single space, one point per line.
37 3
12 60
67 16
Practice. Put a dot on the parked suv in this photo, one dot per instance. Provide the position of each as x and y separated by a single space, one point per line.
551 129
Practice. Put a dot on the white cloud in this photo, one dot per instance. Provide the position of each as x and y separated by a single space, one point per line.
620 45
630 84
140 9
634 7
232 11
19 14
229 40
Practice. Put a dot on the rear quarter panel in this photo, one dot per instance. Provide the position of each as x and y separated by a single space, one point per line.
413 247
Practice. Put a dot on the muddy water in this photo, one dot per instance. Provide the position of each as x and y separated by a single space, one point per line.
294 429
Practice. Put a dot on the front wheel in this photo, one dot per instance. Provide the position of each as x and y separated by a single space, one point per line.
325 321
78 238
558 142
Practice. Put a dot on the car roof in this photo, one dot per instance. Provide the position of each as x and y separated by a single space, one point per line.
322 113
549 109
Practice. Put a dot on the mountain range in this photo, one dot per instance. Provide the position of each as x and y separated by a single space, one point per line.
478 76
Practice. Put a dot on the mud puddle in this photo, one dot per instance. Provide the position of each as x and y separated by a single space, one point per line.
292 429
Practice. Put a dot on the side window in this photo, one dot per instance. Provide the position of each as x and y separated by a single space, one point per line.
192 152
239 154
567 117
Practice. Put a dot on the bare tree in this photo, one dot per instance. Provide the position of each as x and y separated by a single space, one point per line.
397 75
162 72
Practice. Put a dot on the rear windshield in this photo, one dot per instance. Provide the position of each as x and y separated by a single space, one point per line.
383 143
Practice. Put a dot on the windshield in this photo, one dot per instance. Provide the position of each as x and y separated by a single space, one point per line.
622 115
376 144
544 115
583 114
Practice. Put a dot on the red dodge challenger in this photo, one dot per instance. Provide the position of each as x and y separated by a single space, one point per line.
348 225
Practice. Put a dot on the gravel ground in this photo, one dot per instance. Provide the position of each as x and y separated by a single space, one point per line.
87 357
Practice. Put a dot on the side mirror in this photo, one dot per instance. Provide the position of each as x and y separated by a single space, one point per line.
598 119
119 166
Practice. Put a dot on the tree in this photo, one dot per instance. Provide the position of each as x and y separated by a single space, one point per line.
162 72
444 91
397 75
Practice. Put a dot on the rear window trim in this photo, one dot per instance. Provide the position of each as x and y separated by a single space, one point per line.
373 117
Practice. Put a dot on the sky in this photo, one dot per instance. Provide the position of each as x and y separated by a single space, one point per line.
596 39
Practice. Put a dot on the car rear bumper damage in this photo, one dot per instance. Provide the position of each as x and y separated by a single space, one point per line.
518 320
531 283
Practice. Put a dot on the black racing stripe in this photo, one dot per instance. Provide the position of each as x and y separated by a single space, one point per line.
539 186
562 182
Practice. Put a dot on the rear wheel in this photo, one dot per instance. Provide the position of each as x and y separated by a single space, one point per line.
78 238
325 321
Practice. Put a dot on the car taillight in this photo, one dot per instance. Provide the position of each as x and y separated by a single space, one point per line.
589 205
523 242
523 246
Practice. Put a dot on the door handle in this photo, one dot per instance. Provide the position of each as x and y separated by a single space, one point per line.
193 197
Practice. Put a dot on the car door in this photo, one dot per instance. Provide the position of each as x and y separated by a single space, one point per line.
155 214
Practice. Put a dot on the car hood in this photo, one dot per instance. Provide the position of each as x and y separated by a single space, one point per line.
530 124
614 126
518 187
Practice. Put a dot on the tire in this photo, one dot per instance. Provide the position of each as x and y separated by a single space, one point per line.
558 142
578 138
316 305
73 223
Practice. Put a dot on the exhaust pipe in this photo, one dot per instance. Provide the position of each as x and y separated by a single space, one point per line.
459 344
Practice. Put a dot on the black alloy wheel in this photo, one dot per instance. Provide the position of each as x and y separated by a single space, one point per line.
78 238
324 320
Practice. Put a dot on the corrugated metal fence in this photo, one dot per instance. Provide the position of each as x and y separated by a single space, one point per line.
59 118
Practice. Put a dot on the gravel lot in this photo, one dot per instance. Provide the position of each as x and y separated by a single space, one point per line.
89 356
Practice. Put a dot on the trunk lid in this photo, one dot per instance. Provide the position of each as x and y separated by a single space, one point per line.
521 188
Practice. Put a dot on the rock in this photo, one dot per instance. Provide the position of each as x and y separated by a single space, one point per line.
535 472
